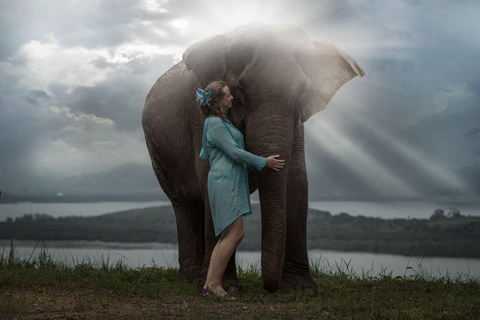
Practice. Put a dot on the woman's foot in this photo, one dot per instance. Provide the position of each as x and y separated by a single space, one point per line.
217 291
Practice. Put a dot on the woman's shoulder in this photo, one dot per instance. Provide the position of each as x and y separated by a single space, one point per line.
215 121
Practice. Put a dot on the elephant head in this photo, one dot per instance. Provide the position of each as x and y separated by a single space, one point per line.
278 78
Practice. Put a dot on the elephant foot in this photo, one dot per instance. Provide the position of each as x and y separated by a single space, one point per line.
232 286
302 282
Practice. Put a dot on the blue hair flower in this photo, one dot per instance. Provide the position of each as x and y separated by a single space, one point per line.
203 97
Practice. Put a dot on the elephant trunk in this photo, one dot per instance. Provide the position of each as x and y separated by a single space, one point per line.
272 135
272 191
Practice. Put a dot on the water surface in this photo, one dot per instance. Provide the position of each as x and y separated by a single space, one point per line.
166 255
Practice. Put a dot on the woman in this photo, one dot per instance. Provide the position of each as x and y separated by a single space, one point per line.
228 190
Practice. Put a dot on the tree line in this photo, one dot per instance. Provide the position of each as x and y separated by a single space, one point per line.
451 235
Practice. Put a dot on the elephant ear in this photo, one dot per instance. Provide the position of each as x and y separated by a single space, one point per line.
331 69
206 58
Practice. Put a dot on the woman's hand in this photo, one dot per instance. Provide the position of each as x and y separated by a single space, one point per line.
274 163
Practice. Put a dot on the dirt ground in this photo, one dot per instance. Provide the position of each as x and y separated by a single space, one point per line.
61 303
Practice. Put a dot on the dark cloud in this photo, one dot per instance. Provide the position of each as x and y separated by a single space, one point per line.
121 97
37 96
102 63
473 84
473 132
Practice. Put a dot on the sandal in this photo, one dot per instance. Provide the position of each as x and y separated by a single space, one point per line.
205 292
209 292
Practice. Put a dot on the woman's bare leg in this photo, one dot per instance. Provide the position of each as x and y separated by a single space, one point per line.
226 245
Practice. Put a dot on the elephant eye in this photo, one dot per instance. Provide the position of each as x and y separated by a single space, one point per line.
242 125
242 91
240 94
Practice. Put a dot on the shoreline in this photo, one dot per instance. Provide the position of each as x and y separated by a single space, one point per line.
86 244
95 244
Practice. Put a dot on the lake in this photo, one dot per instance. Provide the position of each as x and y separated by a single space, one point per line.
166 255
381 209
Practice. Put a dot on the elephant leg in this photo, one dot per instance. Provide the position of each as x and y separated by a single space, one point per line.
230 280
189 215
296 271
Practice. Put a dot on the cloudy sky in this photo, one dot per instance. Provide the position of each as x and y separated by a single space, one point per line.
75 74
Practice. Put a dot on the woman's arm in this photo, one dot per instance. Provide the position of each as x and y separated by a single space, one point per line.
222 138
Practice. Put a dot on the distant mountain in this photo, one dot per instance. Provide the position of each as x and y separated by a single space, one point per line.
129 178
128 182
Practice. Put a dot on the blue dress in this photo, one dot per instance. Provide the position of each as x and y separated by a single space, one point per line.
228 190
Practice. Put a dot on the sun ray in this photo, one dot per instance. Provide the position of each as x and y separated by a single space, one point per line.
361 164
373 171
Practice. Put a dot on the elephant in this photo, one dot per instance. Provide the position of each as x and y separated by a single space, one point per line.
279 78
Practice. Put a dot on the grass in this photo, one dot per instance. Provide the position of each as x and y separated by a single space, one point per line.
39 286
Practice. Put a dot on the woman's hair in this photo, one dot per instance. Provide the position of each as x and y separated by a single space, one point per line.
214 109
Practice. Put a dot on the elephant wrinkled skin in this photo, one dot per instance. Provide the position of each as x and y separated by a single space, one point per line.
279 78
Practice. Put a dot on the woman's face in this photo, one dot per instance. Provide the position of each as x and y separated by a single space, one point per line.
226 101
